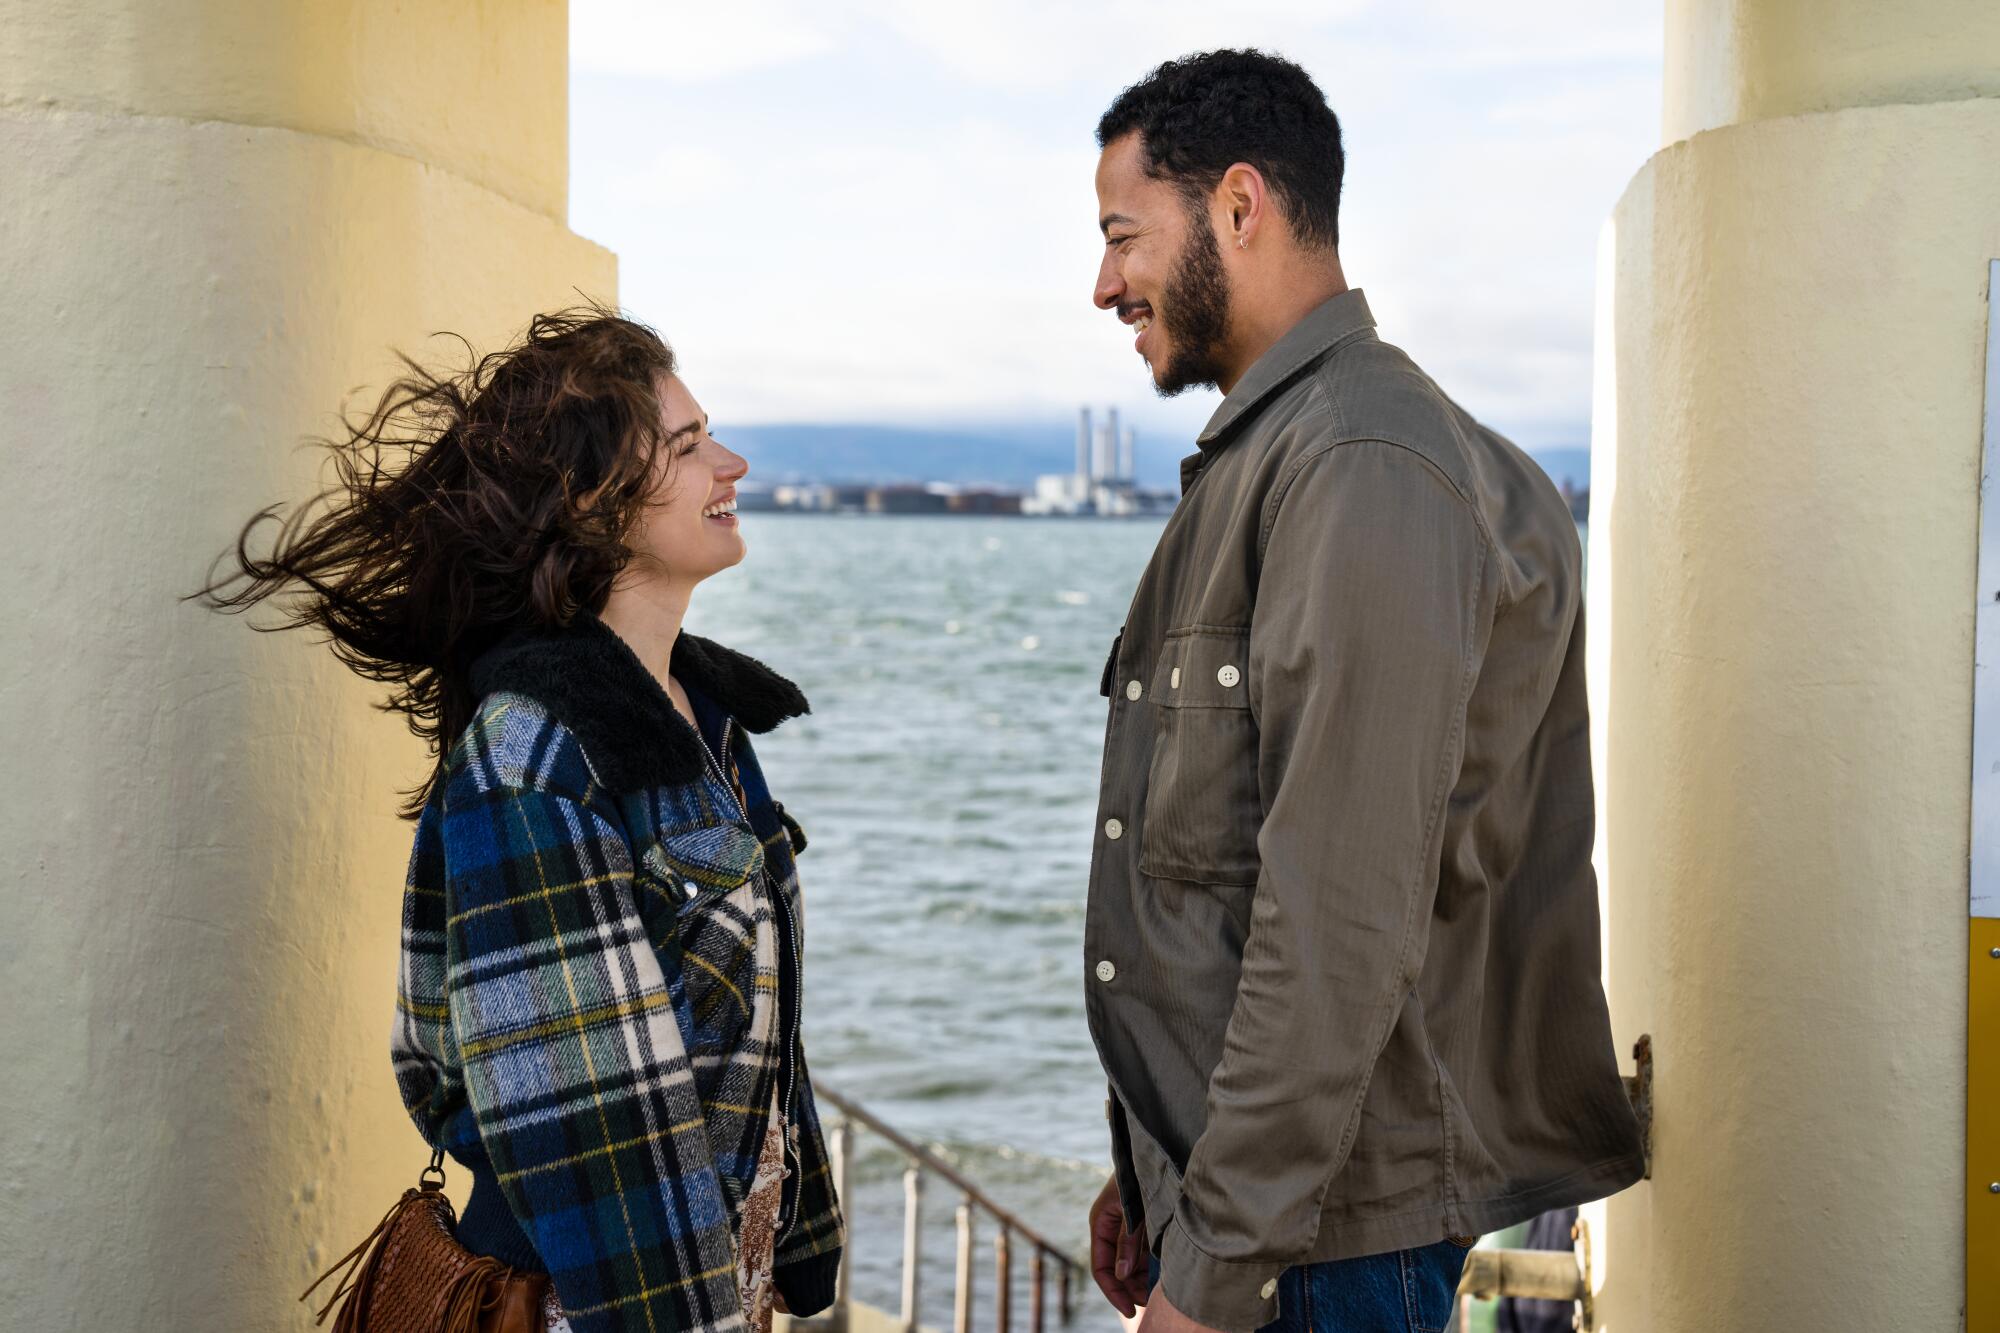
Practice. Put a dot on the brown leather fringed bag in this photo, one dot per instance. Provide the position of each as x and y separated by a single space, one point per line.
419 1279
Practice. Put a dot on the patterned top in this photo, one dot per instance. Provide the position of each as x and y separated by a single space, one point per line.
599 991
756 1247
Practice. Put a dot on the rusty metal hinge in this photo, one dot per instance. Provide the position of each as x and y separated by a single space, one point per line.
1639 1087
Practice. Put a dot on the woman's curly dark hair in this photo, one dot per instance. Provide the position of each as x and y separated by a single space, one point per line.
465 506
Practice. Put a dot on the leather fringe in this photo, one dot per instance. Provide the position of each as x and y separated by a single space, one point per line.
358 1282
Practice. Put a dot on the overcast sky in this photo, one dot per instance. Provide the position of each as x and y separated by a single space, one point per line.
881 211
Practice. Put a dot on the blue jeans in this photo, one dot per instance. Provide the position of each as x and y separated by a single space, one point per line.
1403 1291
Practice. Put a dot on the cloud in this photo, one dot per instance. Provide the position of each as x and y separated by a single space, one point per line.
1045 43
694 43
888 214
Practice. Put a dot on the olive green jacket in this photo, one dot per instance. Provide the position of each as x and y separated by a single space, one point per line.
1342 940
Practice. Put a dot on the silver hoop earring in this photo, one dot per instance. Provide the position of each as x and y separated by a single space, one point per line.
1242 242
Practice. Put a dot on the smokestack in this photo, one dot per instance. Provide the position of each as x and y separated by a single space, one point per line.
1083 442
1128 445
1107 444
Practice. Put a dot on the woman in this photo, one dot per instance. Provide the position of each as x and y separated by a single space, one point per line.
598 1006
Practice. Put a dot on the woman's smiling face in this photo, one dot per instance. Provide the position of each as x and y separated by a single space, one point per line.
690 528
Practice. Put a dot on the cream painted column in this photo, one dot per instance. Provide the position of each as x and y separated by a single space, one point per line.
217 218
1785 514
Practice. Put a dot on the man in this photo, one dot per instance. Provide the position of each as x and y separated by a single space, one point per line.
1342 942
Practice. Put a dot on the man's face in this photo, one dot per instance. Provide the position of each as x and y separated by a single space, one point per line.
1162 272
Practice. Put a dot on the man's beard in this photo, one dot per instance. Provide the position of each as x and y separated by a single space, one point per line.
1195 310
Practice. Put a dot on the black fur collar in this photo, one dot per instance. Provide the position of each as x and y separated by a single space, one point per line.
591 682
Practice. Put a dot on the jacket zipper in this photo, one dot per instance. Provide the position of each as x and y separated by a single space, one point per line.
788 1209
789 1040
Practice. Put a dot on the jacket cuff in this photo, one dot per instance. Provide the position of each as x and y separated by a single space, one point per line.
1234 1297
808 1284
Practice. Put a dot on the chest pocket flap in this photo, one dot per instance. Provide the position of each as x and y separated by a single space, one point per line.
703 863
1203 668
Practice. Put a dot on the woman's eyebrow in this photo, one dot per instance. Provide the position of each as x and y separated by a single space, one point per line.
689 429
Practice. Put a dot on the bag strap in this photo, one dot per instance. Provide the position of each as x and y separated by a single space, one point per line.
437 1165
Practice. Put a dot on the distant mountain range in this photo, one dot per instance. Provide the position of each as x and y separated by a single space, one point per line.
1002 456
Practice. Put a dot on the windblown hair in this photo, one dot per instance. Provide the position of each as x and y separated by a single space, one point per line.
1200 115
466 505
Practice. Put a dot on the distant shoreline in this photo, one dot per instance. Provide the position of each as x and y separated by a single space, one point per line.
794 512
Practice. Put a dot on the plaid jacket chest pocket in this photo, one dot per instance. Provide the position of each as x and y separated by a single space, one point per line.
708 904
1202 806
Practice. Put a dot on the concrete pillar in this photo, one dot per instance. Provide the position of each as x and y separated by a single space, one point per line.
218 216
1785 508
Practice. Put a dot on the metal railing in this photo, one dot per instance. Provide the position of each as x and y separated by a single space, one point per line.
920 1161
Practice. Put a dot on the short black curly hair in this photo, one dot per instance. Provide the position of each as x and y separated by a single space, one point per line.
1200 115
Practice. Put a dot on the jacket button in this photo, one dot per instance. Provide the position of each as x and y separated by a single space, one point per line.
1134 690
1106 971
1113 829
1229 675
1269 1289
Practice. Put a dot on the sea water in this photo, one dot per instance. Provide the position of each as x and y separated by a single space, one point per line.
947 781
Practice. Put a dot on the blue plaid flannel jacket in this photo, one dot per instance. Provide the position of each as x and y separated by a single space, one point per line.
599 989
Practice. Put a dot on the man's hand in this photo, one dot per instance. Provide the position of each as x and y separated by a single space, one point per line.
1162 1317
1118 1256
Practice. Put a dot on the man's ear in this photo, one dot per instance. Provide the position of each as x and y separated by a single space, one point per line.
1245 202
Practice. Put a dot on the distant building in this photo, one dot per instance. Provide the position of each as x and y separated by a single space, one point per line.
1104 482
810 499
1106 477
1059 493
1577 500
1124 498
906 500
984 502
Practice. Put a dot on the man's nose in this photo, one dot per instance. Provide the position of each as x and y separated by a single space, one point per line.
1110 285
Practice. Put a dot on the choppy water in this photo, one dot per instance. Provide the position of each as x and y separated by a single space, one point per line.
946 779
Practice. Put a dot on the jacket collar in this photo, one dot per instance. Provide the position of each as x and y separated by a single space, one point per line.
1332 322
591 681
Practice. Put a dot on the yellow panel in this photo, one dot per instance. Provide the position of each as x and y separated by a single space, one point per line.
1733 61
477 87
1982 1131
